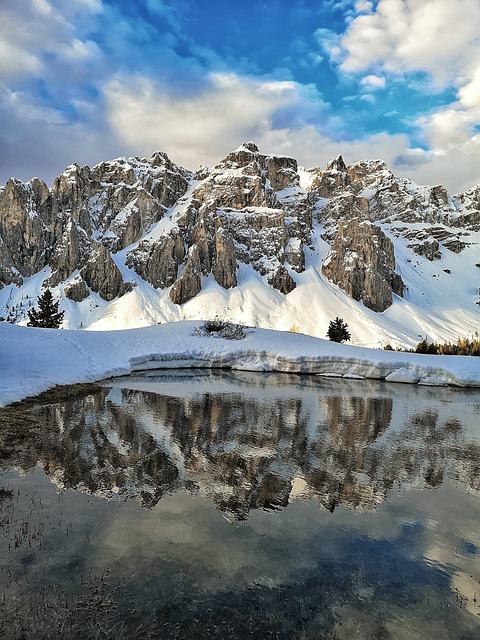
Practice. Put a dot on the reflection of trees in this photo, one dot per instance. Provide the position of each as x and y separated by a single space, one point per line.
243 449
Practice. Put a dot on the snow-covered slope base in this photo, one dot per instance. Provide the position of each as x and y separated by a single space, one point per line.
34 360
437 306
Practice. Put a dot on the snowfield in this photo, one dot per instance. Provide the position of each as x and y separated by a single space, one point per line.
34 360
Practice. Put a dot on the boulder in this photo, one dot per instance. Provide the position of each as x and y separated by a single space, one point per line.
282 280
76 290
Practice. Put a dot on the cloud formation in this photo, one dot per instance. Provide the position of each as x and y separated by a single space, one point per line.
203 128
439 39
395 79
197 128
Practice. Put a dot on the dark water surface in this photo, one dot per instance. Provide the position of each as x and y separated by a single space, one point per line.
235 505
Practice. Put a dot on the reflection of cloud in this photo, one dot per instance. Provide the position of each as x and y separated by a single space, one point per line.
419 548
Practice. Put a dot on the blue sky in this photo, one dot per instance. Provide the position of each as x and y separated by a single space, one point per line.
89 80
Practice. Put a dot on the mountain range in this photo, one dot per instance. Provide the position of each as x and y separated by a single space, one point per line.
256 239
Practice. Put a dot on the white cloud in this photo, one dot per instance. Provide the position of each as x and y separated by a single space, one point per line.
446 128
14 60
469 93
313 149
363 6
80 51
194 129
42 7
34 29
373 82
329 42
137 114
38 140
436 36
457 169
202 129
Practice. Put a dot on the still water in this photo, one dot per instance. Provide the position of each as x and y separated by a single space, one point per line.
238 505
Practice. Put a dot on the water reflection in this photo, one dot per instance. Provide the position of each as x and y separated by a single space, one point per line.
250 441
235 505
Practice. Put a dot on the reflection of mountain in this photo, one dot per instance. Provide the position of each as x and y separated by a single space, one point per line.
248 441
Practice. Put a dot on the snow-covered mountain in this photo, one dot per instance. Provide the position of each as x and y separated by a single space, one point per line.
256 239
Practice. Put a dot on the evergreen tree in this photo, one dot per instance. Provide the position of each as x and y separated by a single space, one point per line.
48 316
338 331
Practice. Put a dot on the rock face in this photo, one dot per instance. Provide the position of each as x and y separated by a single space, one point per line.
190 282
362 263
158 262
249 208
102 275
113 204
176 230
224 262
69 253
25 229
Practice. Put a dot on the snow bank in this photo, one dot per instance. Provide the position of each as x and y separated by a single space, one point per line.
33 360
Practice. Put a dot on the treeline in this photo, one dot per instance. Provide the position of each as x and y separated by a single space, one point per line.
463 347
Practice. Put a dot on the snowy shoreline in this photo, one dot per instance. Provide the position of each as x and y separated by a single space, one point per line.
34 360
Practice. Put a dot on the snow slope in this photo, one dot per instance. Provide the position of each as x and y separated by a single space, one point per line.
438 305
34 360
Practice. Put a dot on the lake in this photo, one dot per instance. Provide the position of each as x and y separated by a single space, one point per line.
214 504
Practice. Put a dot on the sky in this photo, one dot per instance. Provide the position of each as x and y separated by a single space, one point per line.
91 80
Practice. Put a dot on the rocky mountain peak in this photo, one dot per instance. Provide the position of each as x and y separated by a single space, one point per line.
337 165
131 220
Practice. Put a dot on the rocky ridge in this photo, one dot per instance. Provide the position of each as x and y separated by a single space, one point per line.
103 229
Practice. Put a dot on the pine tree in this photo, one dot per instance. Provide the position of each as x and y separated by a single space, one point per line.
338 330
48 316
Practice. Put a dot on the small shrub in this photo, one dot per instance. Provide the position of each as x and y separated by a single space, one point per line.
222 328
213 326
232 331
